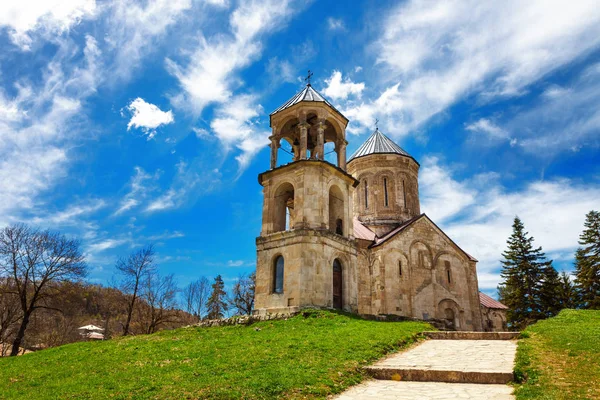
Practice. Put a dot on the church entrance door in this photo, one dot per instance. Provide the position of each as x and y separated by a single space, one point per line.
337 284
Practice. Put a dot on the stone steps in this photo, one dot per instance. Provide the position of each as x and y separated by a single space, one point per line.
447 376
454 359
459 335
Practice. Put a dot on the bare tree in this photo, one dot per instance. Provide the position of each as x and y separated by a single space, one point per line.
160 293
10 314
135 269
196 295
243 294
33 260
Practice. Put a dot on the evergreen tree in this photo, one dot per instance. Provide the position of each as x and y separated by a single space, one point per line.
587 262
523 272
551 301
217 302
568 293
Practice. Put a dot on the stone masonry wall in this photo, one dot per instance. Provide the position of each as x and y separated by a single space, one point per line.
422 290
380 173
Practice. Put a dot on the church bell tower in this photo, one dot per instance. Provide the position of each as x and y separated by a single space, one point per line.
306 254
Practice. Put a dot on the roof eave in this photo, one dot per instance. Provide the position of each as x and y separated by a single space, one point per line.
389 152
346 120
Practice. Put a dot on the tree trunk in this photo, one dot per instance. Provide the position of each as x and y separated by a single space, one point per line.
20 335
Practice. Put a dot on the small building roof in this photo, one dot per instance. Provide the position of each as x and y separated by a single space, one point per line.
378 143
488 302
90 328
309 94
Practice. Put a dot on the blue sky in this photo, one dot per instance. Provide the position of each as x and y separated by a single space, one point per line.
126 123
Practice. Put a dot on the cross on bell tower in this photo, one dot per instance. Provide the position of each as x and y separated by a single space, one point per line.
308 76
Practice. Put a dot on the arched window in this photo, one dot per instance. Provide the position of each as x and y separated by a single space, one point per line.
448 272
284 208
366 195
336 210
385 192
337 284
400 268
278 275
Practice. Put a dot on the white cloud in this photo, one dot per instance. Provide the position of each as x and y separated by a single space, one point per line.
140 186
72 215
38 125
235 124
491 131
210 74
553 212
135 29
23 18
190 180
385 108
442 195
105 245
236 263
335 24
443 51
339 89
147 116
281 70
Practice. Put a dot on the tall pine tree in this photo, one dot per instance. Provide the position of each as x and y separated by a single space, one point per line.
587 262
217 302
524 271
551 301
568 293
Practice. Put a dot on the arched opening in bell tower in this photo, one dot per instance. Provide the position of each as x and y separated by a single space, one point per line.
336 210
284 208
337 285
308 135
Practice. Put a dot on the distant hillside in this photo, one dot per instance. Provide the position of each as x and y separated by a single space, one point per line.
74 304
559 358
308 356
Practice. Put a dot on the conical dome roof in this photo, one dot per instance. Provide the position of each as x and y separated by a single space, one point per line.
306 94
378 143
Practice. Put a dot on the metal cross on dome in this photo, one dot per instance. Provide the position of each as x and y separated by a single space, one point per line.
376 124
307 79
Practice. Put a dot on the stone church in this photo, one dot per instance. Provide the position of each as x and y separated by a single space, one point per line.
351 235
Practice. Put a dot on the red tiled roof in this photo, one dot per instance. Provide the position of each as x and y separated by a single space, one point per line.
488 302
362 232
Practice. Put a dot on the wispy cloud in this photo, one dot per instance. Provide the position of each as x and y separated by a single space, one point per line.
490 130
211 75
72 215
478 214
140 185
43 17
335 24
437 53
189 182
39 124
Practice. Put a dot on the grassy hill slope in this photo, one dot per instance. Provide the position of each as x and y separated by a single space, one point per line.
559 358
307 356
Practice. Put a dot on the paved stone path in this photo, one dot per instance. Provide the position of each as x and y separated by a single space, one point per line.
475 368
456 355
390 390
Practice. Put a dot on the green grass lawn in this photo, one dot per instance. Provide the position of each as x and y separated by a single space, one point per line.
559 358
307 356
